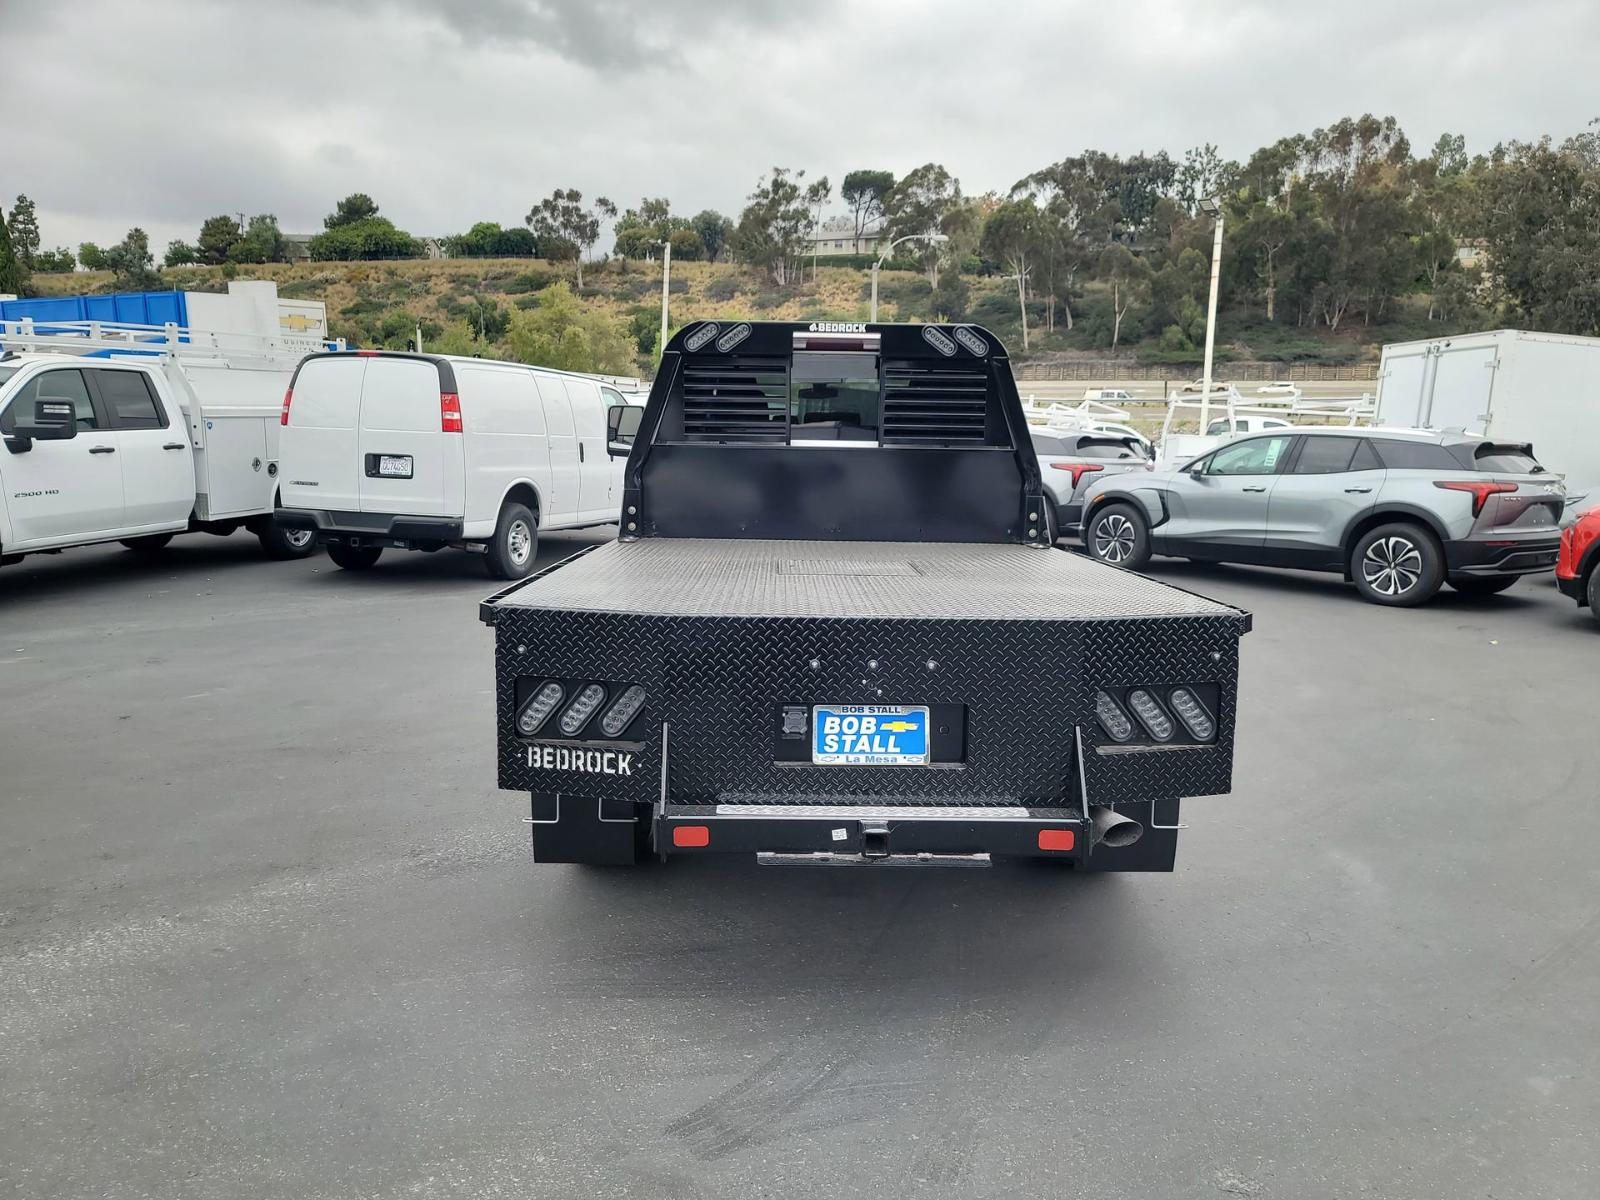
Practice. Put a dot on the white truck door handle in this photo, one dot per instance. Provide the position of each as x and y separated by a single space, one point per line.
1363 491
102 449
1255 489
173 446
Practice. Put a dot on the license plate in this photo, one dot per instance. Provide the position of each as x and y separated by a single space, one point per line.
394 466
869 735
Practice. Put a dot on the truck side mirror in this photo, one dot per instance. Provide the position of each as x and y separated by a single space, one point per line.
53 421
622 424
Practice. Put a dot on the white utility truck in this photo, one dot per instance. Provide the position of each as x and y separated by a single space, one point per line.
1509 385
421 451
132 434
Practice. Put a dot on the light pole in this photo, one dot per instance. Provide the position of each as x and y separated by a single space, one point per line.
927 237
1212 207
666 275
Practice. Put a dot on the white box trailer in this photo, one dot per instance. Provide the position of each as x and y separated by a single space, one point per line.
1509 385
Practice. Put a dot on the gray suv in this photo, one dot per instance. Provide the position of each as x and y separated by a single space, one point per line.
1400 512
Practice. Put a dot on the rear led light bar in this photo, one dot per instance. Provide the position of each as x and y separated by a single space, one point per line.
1192 713
618 716
580 710
1079 470
1481 490
1151 715
1112 719
538 708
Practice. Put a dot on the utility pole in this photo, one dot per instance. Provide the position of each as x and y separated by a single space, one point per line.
1213 208
666 276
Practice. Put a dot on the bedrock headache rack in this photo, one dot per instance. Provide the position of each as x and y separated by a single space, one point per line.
835 628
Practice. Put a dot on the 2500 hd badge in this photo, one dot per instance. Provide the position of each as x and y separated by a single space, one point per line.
590 762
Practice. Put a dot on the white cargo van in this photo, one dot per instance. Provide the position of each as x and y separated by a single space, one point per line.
424 451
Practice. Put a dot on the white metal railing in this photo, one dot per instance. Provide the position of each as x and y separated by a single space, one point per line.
106 338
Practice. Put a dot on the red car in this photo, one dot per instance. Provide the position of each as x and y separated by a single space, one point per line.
1578 567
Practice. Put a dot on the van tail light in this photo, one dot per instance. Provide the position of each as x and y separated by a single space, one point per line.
449 412
288 396
1481 490
1079 470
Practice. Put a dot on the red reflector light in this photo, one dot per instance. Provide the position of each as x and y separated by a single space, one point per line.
288 395
1057 839
449 412
368 353
691 835
1480 490
1079 470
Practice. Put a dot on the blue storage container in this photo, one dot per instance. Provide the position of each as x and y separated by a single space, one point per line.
128 308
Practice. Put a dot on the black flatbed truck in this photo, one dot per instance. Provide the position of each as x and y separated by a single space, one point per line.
836 628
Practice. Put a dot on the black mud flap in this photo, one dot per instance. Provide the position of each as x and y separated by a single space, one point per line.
581 829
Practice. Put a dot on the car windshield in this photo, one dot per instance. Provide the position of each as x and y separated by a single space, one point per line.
6 373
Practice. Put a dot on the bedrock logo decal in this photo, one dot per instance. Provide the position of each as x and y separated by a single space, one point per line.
589 762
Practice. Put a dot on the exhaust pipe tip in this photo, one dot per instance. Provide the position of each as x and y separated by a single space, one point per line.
1113 829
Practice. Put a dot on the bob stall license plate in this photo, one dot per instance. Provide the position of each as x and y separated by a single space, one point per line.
869 735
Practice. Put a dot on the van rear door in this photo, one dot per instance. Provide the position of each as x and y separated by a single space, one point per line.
317 444
401 446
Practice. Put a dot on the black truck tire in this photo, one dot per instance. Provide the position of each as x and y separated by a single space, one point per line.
1399 565
354 558
1117 534
148 544
515 544
280 543
1483 585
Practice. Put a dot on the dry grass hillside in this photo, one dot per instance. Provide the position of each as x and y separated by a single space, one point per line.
369 302
467 306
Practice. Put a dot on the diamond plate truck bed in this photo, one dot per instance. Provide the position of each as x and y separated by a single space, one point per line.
835 629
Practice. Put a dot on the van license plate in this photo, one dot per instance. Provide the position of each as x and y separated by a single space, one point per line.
394 466
869 735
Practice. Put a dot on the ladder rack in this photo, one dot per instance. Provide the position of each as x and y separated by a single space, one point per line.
108 339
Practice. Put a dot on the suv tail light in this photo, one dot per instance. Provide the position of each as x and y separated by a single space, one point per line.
1079 470
449 412
1480 490
288 396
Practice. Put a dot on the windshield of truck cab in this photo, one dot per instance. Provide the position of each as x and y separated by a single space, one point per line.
6 373
834 397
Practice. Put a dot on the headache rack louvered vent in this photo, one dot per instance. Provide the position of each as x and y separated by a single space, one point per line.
736 400
935 403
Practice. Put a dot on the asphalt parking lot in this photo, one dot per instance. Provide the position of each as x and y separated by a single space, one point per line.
267 929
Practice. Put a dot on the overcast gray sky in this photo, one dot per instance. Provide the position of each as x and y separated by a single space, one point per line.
121 112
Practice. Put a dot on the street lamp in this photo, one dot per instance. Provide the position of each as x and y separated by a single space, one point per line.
666 274
1212 207
926 237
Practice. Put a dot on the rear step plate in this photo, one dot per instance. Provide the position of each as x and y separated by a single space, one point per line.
824 858
875 812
